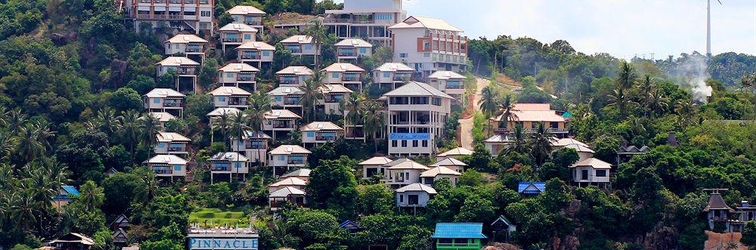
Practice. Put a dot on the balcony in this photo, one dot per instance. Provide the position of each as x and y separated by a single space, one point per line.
401 78
293 49
348 20
231 40
296 161
291 102
325 138
220 168
187 71
195 49
251 56
177 149
160 171
245 78
253 22
289 81
254 146
237 102
283 125
169 104
457 86
347 53
350 78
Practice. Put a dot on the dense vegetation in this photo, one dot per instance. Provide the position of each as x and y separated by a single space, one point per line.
72 74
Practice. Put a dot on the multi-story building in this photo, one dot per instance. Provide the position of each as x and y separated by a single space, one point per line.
529 115
286 97
196 15
346 74
164 100
374 166
219 112
449 82
417 114
189 45
317 133
171 143
232 164
186 69
240 75
230 97
429 45
403 172
348 50
167 166
286 157
248 15
293 76
254 145
255 53
280 122
414 195
234 34
367 19
301 45
332 96
392 75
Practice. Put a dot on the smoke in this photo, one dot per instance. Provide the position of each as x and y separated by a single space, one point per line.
691 74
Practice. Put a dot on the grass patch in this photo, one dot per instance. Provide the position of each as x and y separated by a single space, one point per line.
217 217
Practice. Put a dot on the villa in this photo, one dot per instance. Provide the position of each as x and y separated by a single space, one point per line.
280 122
403 172
232 164
392 75
171 143
591 171
293 76
449 82
318 133
258 53
288 157
248 15
285 195
254 146
185 68
374 166
230 97
451 163
414 195
168 166
286 97
189 45
332 96
234 34
437 173
417 115
429 45
240 75
455 153
348 50
346 74
301 45
164 100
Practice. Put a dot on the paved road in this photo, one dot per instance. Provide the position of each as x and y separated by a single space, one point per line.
466 125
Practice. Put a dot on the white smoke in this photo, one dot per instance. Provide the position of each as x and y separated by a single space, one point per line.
692 74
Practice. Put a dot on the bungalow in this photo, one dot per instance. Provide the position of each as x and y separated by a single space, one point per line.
188 45
302 173
234 34
626 152
529 115
286 195
254 146
414 195
167 166
238 74
449 82
374 166
186 69
280 121
583 150
591 171
437 173
301 45
293 76
346 74
220 112
531 188
288 157
121 221
120 237
65 194
162 118
458 236
502 225
286 97
73 241
403 172
317 133
392 75
171 143
497 143
332 96
164 100
351 226
255 53
230 97
288 182
455 153
717 210
451 163
248 15
348 50
232 164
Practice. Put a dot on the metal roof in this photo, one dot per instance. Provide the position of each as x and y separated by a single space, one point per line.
186 38
318 126
526 187
296 70
71 190
285 192
255 46
417 89
163 92
238 67
378 160
449 162
456 151
436 171
228 156
425 22
416 187
229 90
458 230
289 149
354 42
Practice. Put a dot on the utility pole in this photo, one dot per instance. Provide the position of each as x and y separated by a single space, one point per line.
708 29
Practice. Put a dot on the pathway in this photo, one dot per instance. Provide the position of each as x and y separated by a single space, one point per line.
466 125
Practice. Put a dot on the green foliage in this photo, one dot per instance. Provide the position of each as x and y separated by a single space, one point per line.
374 199
471 178
333 185
315 227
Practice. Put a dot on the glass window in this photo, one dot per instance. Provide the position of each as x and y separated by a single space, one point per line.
278 98
363 50
310 134
229 75
155 100
266 53
404 143
282 158
601 173
426 54
308 46
176 167
161 145
335 75
247 36
238 164
425 143
222 98
401 198
386 74
393 143
414 143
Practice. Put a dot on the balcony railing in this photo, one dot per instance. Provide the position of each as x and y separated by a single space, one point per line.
401 78
348 20
232 39
457 244
291 102
454 87
325 138
253 22
347 53
350 79
296 161
283 125
187 71
251 56
242 102
292 82
253 146
163 171
173 104
176 149
222 169
244 78
193 48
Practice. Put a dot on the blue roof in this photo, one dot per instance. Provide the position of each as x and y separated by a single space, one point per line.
71 190
461 230
349 225
567 114
527 187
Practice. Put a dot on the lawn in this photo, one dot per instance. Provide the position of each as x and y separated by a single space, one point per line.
217 217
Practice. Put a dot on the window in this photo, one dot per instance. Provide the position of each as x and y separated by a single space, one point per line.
310 134
363 50
414 143
176 167
386 74
161 145
404 143
384 16
221 98
278 98
401 198
308 46
247 36
393 143
237 164
266 53
584 174
335 75
425 143
412 199
437 101
282 158
426 54
229 75
403 55
419 100
554 125
601 173
155 100
406 176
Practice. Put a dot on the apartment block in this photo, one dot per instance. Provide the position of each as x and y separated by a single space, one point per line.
417 114
366 19
194 15
429 45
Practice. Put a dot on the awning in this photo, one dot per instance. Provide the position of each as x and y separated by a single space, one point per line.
144 8
159 8
174 8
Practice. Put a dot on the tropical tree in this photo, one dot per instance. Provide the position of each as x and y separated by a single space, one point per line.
627 76
318 33
657 102
518 139
621 100
150 126
222 122
131 129
646 91
106 121
15 120
373 121
312 92
540 143
91 196
150 185
487 101
29 146
505 109
353 107
259 105
686 109
7 144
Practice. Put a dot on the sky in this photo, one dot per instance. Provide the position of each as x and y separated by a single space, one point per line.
622 28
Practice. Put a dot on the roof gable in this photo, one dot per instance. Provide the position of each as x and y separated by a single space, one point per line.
531 187
459 230
413 88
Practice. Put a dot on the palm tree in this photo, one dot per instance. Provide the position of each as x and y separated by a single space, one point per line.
620 100
319 33
686 109
29 146
505 109
626 77
518 139
7 143
150 126
91 195
540 143
23 208
131 129
15 121
4 116
147 191
353 107
646 88
259 105
238 128
657 101
374 120
223 122
488 102
312 94
106 121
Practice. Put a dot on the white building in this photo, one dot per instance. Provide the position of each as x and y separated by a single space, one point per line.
583 150
368 19
392 75
332 96
187 70
189 45
195 15
403 172
417 114
451 163
288 157
171 143
429 45
437 173
230 97
255 53
286 97
248 15
285 195
293 76
374 166
234 34
162 118
240 75
288 182
454 153
317 133
167 166
449 82
232 164
348 50
280 122
346 74
254 146
164 100
300 45
414 195
219 112
591 171
302 173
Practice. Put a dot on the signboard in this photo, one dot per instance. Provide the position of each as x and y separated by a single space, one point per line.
227 243
409 136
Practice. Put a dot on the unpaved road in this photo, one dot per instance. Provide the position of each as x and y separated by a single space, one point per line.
466 125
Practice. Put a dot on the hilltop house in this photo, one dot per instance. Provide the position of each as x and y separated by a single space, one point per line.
531 188
414 195
451 163
185 68
365 19
164 100
167 166
288 157
240 75
189 45
232 164
171 143
255 53
429 45
285 195
392 75
417 114
459 236
449 82
301 45
346 74
332 96
529 115
195 15
583 150
230 97
72 241
254 146
717 211
317 133
248 15
591 171
234 34
403 172
348 50
374 166
454 153
286 97
280 122
293 76
437 173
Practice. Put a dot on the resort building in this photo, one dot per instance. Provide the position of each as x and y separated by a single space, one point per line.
392 75
240 75
210 238
403 172
301 45
72 241
194 15
185 68
168 166
374 166
230 97
459 236
429 45
302 173
417 114
172 143
287 97
318 133
531 187
234 34
164 100
285 195
346 74
188 45
280 122
449 82
454 153
367 19
332 96
161 117
451 163
65 194
414 195
248 15
437 173
348 50
287 157
254 146
293 76
232 164
295 182
591 171
529 115
219 112
255 53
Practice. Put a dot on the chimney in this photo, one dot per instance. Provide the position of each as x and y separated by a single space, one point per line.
671 140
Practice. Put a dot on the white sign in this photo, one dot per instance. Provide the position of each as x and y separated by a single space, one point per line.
231 244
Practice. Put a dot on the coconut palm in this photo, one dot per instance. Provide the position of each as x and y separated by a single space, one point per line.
319 33
91 195
657 101
29 145
686 109
518 139
540 143
505 108
259 105
148 190
149 126
646 88
312 94
131 129
620 100
222 122
487 101
106 121
23 208
7 143
15 120
374 120
353 107
626 77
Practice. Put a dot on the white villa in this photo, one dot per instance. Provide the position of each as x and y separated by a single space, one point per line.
392 75
195 15
248 15
451 163
234 34
300 45
230 97
219 112
167 166
583 150
232 164
280 121
302 173
254 146
403 172
288 157
317 133
162 118
286 195
591 171
455 153
437 173
414 195
189 45
255 53
171 143
368 19
348 50
417 114
164 100
346 74
293 76
429 45
286 97
374 166
238 75
449 82
185 68
288 182
332 96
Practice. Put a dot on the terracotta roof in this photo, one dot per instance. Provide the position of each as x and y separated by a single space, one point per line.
228 156
281 113
425 22
163 92
318 126
166 159
221 111
296 70
244 10
593 163
162 116
455 152
256 45
416 187
343 67
286 91
417 89
378 160
301 39
354 42
302 172
393 67
444 75
186 38
289 181
238 67
289 149
229 90
449 162
171 137
177 61
240 27
433 172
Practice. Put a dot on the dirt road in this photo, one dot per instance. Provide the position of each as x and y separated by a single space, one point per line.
466 125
